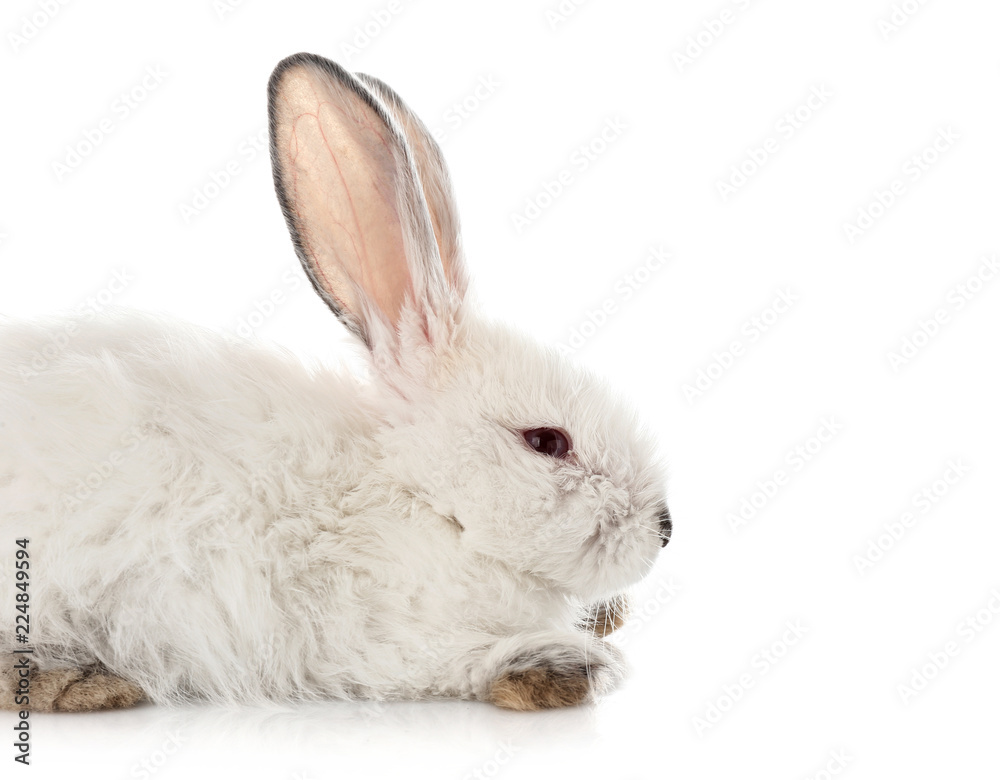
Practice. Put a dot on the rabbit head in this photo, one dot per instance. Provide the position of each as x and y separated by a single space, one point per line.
530 459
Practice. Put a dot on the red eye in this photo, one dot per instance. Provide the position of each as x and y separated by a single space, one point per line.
548 441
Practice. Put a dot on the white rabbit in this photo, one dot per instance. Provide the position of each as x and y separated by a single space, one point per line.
209 519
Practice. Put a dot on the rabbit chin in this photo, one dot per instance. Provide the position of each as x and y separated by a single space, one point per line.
607 568
588 569
597 583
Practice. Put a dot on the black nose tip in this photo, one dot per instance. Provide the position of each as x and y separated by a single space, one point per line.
666 526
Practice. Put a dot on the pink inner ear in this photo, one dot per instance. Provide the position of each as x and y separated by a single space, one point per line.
341 178
436 185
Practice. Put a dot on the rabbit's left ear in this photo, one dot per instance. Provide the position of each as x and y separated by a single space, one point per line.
352 191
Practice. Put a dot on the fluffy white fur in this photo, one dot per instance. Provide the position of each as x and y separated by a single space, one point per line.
211 519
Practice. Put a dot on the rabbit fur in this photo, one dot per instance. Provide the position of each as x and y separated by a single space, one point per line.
211 519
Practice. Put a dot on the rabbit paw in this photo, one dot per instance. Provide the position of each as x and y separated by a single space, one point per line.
606 616
556 676
68 690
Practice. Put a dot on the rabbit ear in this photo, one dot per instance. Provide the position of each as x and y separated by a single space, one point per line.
351 195
435 181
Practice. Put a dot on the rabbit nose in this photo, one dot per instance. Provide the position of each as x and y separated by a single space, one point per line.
666 526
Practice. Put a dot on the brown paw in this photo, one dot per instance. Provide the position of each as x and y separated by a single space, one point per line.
77 691
541 688
606 616
70 690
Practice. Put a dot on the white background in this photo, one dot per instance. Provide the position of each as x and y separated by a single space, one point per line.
722 594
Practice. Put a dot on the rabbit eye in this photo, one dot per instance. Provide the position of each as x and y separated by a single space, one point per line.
548 441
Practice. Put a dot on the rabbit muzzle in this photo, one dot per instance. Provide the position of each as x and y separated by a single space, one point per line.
666 526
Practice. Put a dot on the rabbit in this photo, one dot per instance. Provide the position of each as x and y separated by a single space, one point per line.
209 519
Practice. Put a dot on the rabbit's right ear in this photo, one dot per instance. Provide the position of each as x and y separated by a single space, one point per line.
352 195
435 181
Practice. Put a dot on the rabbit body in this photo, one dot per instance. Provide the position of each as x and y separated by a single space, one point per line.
209 518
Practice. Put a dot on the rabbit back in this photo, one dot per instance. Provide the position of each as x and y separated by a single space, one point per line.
170 478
